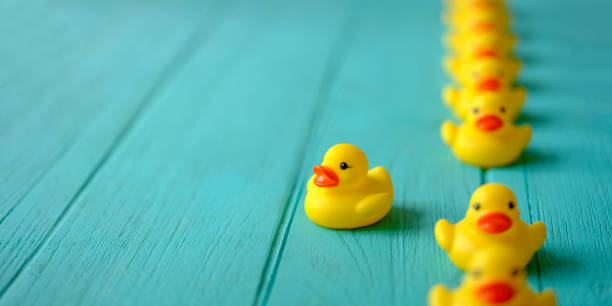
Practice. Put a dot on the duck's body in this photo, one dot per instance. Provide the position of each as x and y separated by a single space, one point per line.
361 205
495 277
492 220
488 137
486 149
442 296
462 68
461 241
343 194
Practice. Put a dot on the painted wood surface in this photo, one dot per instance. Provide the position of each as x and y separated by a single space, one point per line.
157 153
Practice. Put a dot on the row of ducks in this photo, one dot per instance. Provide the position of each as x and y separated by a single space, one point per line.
482 64
492 245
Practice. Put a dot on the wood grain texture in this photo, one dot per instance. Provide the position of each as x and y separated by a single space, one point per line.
156 153
186 207
564 177
65 105
385 99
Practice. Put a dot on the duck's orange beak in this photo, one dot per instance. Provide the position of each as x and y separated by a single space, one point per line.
484 27
490 84
494 222
325 176
495 293
489 123
486 53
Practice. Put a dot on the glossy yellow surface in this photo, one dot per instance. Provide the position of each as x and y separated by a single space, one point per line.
488 138
495 277
492 220
344 194
472 45
511 100
461 14
469 68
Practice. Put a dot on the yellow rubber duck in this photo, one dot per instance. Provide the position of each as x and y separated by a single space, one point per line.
460 41
510 100
460 12
343 194
491 44
495 277
488 138
492 219
465 68
484 76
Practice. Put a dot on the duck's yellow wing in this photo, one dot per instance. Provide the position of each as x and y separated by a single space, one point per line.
440 296
374 204
445 234
537 235
546 298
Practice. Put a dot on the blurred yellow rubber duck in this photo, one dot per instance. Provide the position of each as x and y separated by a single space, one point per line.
495 277
488 138
343 194
510 100
486 75
492 219
483 45
488 26
460 13
467 68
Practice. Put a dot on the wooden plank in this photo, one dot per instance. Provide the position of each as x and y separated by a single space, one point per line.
61 117
386 100
47 103
185 210
564 177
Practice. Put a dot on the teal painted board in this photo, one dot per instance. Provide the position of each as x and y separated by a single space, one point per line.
186 207
126 180
385 99
66 115
564 177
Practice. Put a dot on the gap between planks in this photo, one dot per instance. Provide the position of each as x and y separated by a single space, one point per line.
275 254
178 63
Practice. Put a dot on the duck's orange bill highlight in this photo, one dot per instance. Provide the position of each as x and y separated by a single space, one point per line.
494 222
495 293
325 176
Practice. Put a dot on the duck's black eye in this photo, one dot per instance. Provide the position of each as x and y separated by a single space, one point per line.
344 166
511 205
515 272
476 273
475 110
502 109
477 206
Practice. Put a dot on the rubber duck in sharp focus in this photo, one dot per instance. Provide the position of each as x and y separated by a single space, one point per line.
343 194
492 219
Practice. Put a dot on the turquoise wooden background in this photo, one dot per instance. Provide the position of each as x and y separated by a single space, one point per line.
156 152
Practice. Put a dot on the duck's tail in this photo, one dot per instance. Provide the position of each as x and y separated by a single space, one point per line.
381 175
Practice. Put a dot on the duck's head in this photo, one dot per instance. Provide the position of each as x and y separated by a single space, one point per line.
487 44
495 276
343 165
483 16
486 74
488 112
478 6
493 209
